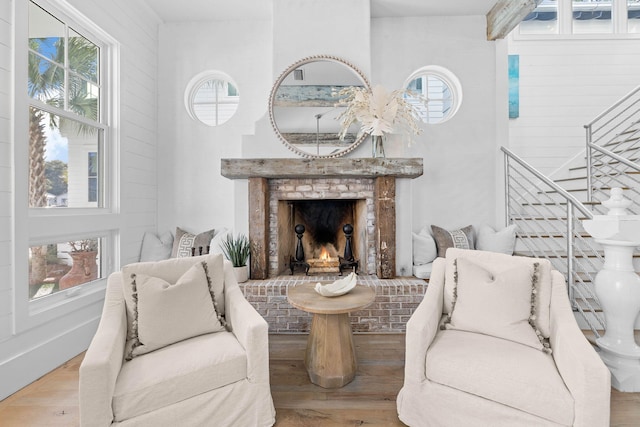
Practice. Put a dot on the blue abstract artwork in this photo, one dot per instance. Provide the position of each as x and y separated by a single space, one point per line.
514 86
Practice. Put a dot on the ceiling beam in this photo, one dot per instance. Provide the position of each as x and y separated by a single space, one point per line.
505 15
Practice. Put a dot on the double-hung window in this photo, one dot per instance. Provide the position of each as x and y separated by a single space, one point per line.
67 155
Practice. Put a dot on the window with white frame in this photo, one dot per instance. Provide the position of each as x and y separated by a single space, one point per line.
435 92
583 17
212 98
70 146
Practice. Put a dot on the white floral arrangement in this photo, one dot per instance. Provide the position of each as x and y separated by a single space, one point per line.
378 111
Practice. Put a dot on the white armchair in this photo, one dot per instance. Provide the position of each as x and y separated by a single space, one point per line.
461 378
215 379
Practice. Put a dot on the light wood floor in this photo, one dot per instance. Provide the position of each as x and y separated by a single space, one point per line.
368 400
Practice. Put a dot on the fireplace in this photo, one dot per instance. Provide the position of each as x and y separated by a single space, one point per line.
367 185
323 207
321 236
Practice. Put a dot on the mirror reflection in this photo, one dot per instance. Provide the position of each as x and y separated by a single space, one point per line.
303 106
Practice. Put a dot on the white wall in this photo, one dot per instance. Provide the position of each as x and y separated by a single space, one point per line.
6 244
458 187
27 355
193 195
564 84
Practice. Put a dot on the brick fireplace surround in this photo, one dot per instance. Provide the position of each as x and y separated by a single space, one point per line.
370 179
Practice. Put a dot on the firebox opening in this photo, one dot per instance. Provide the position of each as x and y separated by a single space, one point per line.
323 239
323 220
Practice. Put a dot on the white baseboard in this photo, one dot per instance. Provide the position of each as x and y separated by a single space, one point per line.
44 357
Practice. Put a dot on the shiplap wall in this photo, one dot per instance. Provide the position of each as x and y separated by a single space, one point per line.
27 355
564 84
5 170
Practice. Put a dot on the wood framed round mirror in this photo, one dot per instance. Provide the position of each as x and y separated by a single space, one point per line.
303 111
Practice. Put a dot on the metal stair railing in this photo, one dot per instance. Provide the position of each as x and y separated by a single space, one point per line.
620 115
549 226
613 150
610 170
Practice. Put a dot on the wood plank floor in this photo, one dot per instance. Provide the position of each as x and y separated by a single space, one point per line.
368 400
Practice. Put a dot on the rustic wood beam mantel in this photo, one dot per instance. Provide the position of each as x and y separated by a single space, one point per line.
383 172
505 15
321 168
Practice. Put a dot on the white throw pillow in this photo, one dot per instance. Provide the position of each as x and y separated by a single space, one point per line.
216 243
503 262
171 270
156 248
165 313
495 302
503 241
424 248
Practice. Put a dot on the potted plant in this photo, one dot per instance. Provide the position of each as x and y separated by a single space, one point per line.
236 250
84 268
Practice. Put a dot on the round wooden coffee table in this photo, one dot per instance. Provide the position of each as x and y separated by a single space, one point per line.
330 358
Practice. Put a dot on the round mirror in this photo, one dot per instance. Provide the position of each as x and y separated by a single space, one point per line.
211 98
303 111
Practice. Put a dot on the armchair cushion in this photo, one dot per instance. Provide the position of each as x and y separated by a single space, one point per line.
167 313
495 302
178 372
501 262
502 371
423 271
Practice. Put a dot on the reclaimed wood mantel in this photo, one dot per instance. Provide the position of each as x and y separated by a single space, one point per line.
321 168
382 171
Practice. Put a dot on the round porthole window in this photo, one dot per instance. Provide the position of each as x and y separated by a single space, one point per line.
441 89
212 98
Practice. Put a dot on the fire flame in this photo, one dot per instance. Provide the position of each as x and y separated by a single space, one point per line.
324 254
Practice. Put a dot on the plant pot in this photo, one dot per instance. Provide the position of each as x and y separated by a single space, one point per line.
83 270
242 273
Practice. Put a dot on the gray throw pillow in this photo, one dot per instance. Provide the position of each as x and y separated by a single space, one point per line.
460 238
184 241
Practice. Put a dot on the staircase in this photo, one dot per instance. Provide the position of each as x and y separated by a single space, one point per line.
613 152
549 214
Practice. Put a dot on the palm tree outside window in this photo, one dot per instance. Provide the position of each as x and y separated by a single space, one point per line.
66 137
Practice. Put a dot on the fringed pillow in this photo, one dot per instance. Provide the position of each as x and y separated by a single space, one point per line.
165 313
171 270
501 262
496 302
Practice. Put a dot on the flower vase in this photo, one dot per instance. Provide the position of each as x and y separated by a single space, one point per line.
377 145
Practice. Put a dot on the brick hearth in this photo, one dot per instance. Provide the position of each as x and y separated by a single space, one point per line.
396 299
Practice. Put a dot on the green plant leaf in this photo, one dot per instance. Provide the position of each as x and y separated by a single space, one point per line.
236 249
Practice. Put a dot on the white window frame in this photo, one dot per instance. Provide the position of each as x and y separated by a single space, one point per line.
37 226
194 85
450 79
565 25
